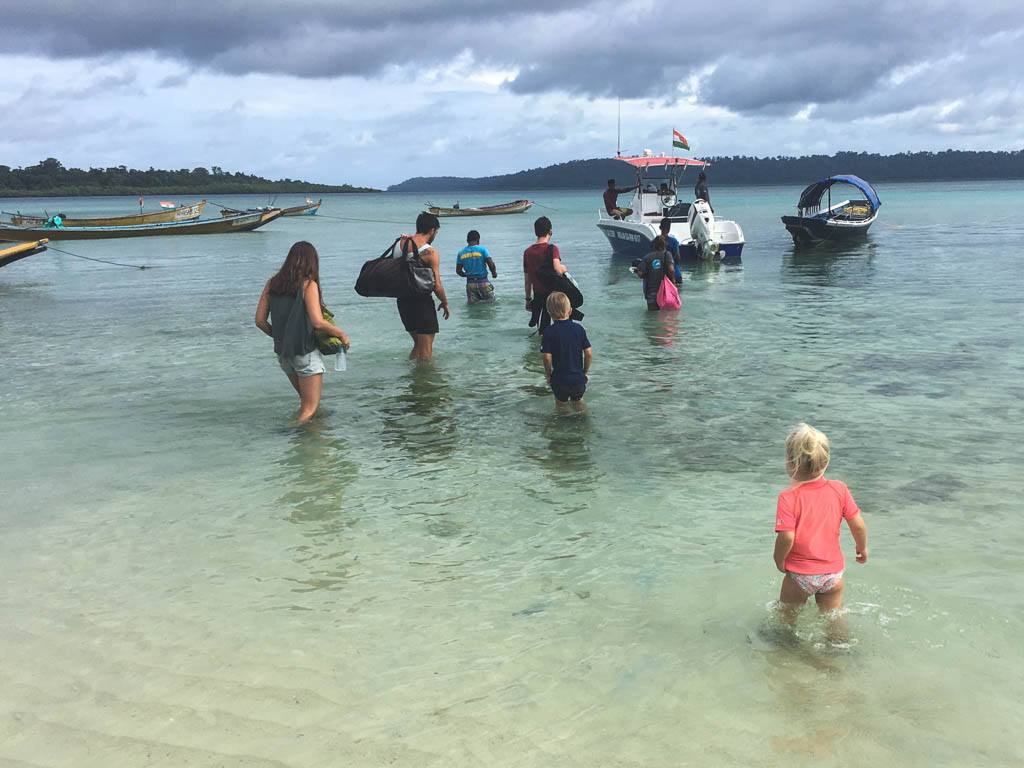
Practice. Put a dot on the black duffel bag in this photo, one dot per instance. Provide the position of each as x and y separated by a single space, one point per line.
560 282
396 276
552 281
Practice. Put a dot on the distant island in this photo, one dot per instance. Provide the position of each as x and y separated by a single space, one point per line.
593 174
50 178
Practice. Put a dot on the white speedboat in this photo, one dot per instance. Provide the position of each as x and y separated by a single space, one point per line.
702 235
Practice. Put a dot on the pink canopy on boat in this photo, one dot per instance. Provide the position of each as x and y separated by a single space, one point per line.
648 162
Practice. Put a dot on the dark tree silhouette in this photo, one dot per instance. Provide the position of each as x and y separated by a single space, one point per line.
50 178
906 166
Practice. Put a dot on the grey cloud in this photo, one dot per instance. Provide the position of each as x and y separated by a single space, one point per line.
35 94
777 59
174 81
55 130
234 31
956 89
769 60
777 83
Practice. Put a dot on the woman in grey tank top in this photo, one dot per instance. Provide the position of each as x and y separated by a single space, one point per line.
290 310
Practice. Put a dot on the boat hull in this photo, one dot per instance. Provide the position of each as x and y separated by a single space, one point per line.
20 251
243 223
306 209
635 240
303 210
519 206
179 214
809 231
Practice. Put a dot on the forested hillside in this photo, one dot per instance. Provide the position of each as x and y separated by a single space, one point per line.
49 178
907 166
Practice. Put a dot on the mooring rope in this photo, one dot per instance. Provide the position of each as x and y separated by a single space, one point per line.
368 221
101 261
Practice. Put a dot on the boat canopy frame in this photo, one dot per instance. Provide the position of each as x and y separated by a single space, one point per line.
810 198
658 167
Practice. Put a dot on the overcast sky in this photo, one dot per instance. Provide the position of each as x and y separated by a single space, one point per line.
372 93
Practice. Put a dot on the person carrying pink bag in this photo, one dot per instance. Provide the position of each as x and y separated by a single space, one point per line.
657 271
668 294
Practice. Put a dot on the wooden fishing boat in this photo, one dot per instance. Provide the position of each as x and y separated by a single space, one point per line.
308 208
516 206
21 250
847 220
245 222
179 213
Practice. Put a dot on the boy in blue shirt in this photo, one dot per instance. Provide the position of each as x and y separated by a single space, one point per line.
567 353
472 263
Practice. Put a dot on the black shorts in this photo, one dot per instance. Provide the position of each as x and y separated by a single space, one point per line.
418 314
565 392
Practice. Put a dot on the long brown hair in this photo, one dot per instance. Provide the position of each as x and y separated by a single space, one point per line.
302 263
659 243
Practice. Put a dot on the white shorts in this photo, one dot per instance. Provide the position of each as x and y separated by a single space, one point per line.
303 365
816 583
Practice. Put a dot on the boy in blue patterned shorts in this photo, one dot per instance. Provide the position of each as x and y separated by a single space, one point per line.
472 263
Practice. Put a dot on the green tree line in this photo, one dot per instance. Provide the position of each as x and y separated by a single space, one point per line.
906 166
49 178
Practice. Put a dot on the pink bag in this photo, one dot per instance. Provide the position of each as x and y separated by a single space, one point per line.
668 296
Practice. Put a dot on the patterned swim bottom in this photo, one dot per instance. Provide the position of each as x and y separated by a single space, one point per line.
813 583
479 290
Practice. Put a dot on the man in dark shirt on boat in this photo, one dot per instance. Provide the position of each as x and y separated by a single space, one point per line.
700 189
611 200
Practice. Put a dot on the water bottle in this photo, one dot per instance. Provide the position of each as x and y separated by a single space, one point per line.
341 361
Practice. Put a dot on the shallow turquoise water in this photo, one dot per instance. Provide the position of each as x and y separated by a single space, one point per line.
440 571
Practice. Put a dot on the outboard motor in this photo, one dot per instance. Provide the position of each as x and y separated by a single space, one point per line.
702 230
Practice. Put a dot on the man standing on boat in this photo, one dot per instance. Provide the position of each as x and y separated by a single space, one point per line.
611 200
700 189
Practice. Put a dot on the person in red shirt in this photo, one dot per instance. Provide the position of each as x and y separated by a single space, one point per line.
808 522
537 255
611 200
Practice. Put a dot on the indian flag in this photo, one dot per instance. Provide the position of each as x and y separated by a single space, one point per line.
679 141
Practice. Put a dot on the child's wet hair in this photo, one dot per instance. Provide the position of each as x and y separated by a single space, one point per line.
558 305
807 452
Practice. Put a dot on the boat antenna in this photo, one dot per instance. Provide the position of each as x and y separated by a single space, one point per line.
618 134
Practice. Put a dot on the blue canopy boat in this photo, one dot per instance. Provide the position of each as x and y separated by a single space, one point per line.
843 221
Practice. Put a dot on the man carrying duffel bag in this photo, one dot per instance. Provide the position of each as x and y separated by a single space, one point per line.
410 272
545 273
542 264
